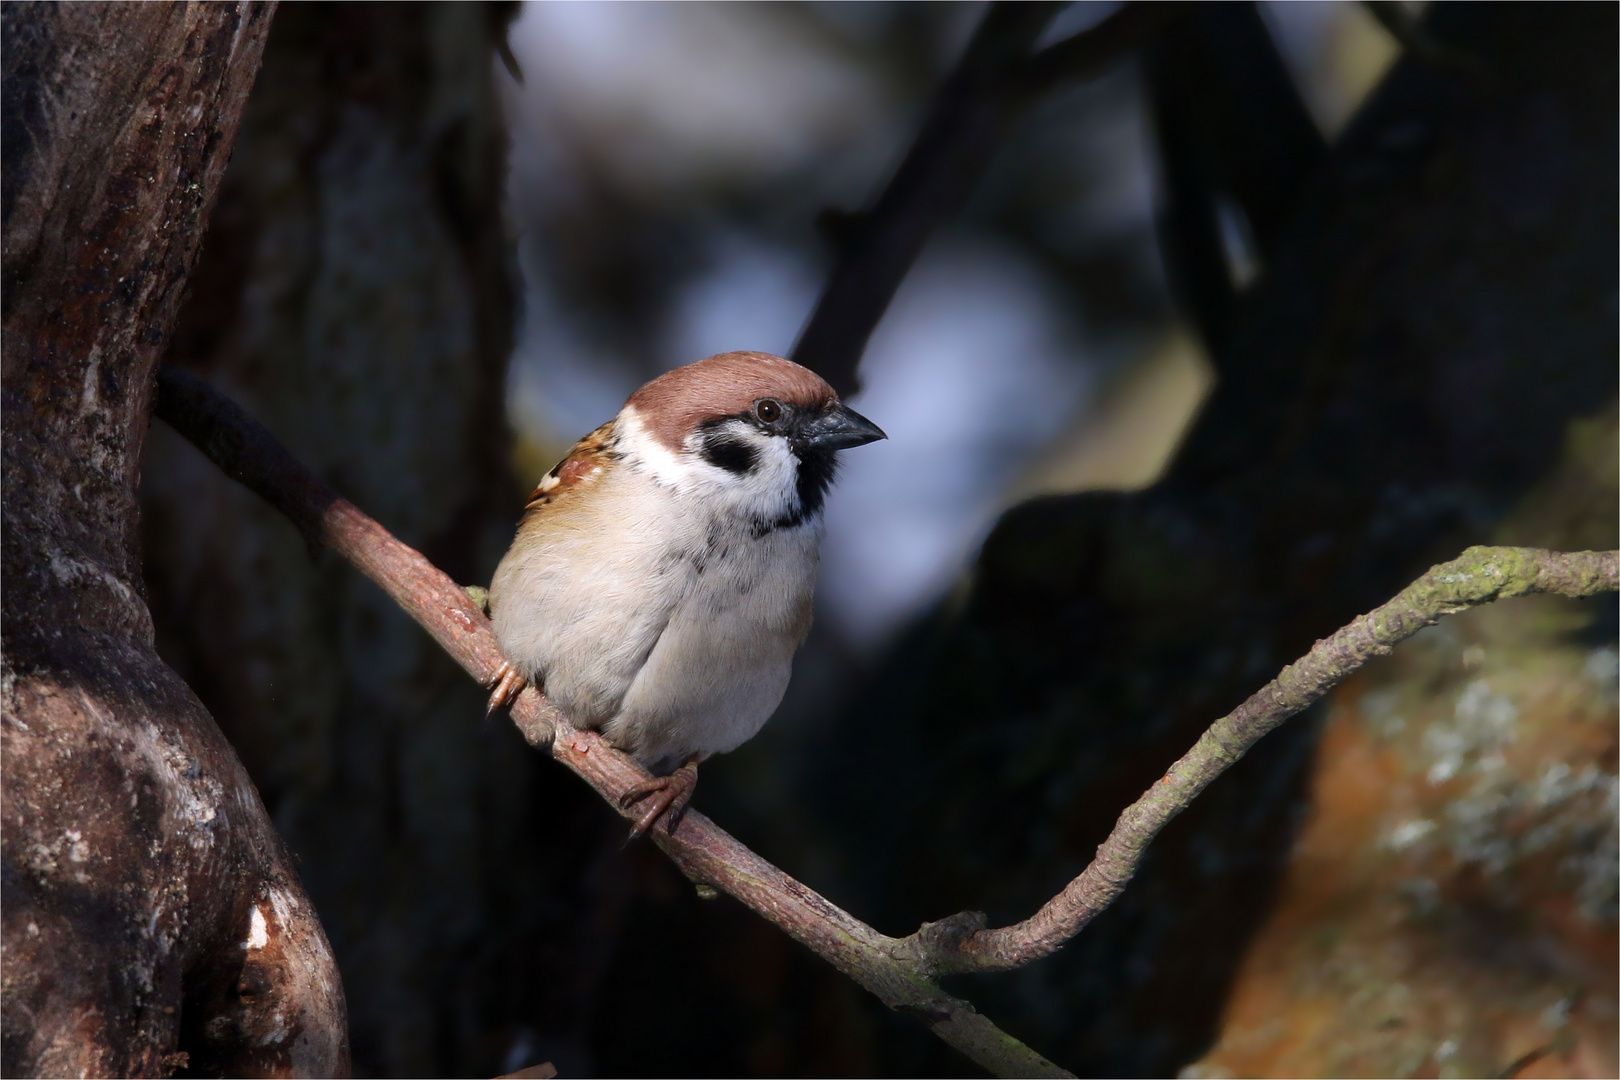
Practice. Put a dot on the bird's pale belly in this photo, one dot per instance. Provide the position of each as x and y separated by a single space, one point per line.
722 662
695 660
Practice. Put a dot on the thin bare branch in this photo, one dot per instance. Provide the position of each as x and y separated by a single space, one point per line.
1480 576
704 852
970 116
900 971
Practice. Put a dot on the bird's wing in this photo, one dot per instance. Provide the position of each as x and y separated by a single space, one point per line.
583 461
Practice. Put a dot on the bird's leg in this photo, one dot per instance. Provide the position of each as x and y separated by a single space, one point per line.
664 795
508 683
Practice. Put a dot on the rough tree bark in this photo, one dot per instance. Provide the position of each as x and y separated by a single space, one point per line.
354 292
151 916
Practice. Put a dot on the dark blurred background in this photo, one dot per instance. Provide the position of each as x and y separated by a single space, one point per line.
1232 341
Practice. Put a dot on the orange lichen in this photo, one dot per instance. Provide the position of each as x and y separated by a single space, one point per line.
1450 906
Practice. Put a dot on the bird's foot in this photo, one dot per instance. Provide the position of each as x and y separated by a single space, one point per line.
508 684
665 795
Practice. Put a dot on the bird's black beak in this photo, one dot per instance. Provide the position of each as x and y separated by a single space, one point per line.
839 428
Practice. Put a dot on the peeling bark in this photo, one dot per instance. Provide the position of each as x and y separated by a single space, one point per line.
151 916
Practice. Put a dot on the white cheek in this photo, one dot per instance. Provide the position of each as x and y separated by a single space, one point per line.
775 472
646 453
769 489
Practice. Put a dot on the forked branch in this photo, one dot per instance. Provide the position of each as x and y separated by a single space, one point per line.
901 972
1481 575
703 851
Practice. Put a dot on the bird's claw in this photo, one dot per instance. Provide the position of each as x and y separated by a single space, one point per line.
665 795
508 684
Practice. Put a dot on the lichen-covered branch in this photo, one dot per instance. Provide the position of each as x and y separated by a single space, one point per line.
1480 576
703 851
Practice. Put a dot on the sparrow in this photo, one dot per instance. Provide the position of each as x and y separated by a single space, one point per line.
662 573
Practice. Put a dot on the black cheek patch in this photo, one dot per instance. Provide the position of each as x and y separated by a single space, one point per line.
816 468
729 453
815 475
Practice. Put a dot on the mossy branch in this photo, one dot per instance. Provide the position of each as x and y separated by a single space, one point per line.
900 971
1480 576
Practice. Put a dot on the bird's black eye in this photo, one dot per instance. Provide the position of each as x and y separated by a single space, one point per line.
768 411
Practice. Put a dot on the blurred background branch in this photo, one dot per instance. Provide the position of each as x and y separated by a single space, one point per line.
998 77
1238 150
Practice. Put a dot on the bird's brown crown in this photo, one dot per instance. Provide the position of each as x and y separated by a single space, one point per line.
675 403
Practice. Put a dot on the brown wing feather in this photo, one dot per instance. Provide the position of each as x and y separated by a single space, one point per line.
583 461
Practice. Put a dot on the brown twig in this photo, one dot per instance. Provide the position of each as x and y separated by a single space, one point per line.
970 116
901 972
704 852
1480 576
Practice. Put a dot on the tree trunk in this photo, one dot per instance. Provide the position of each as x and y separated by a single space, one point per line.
355 297
151 915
